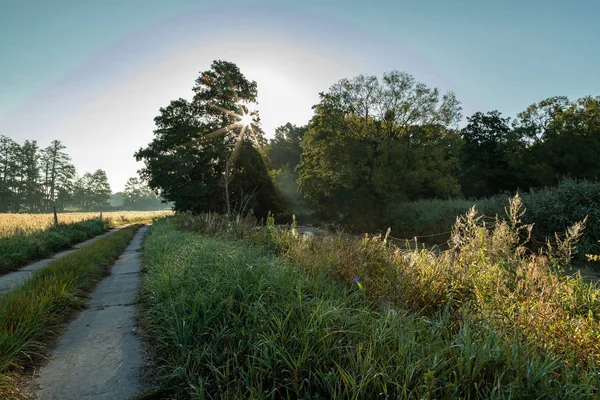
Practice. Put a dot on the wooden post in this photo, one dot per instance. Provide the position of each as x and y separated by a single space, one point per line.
100 215
55 216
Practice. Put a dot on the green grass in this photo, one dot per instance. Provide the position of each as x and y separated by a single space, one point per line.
551 210
21 249
231 318
33 314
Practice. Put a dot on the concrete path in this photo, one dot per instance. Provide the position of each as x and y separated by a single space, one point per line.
100 356
13 279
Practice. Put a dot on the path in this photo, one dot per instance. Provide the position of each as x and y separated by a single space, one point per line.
15 278
100 355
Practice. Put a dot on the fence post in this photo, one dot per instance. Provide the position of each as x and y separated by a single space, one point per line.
55 216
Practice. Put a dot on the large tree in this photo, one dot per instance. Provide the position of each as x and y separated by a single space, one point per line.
205 151
373 143
58 173
564 139
490 155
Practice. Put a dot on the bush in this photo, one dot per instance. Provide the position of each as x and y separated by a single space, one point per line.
550 210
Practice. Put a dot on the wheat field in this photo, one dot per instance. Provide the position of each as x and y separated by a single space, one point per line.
14 224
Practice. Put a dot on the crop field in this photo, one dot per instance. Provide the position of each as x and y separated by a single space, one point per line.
14 224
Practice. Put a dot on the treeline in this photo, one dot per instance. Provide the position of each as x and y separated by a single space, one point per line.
35 179
374 144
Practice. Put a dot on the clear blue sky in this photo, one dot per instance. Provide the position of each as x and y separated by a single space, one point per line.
93 74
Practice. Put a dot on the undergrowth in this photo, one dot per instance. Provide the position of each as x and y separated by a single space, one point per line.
282 315
549 210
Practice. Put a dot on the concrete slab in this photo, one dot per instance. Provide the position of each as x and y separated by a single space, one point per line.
13 280
116 290
37 265
128 263
100 356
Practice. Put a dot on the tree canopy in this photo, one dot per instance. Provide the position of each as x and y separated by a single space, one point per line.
374 142
203 156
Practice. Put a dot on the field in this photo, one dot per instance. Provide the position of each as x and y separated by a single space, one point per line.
14 224
237 311
28 237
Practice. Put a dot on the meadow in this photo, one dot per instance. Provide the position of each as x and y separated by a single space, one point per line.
17 224
28 237
234 310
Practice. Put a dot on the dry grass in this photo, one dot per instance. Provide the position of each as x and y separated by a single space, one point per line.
15 224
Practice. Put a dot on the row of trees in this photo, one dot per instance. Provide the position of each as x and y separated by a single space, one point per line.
371 144
35 179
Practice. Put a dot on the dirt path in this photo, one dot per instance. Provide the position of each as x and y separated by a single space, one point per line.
100 355
15 278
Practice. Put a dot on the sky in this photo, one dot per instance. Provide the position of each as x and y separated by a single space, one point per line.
94 73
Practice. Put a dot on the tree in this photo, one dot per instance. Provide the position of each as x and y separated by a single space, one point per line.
284 149
92 191
198 156
9 181
563 139
138 196
29 187
371 144
490 155
58 173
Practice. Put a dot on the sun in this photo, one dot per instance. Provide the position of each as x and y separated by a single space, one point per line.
246 120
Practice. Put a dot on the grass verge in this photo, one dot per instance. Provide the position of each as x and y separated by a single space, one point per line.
231 319
18 250
33 314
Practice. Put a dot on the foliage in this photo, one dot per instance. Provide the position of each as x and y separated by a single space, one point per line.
137 195
202 157
229 319
284 149
487 155
92 191
32 314
550 210
33 179
371 143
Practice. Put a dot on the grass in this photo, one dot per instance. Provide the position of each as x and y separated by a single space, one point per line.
277 316
24 224
32 315
28 237
551 210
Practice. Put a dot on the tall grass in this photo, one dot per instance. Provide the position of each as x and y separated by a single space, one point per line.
34 313
280 316
551 210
